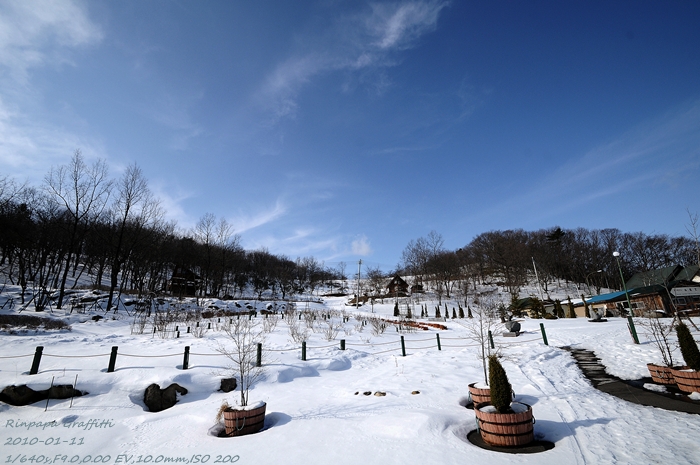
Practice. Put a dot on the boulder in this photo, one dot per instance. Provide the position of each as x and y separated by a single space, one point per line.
228 384
24 395
513 326
157 399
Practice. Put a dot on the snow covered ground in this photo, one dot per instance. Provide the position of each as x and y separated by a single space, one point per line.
316 410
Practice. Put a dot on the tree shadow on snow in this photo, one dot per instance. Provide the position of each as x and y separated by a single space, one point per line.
557 430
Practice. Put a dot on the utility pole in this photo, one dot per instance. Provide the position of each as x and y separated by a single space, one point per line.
357 300
537 279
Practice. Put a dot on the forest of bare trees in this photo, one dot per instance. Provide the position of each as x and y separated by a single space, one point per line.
80 224
509 258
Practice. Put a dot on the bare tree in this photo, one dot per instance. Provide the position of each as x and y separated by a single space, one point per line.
342 267
244 335
82 191
134 215
486 322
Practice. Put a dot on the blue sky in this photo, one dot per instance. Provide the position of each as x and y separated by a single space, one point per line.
344 129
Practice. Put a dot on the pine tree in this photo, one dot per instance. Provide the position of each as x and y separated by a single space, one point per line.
396 309
499 385
572 311
454 313
469 312
409 314
461 312
558 309
437 312
689 348
585 304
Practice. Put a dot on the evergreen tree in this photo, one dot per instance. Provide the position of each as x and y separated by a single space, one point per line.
461 312
437 312
499 385
572 311
396 309
585 304
689 348
558 309
469 312
454 313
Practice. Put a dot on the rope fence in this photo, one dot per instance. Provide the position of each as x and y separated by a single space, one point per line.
399 345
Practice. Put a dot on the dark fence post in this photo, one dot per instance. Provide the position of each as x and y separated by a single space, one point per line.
303 351
37 360
544 334
342 344
258 359
112 359
438 340
491 340
186 359
403 347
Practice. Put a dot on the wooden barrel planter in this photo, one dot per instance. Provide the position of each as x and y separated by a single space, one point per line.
506 429
479 395
687 380
661 374
242 422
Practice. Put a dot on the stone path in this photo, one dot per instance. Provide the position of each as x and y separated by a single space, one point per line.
631 391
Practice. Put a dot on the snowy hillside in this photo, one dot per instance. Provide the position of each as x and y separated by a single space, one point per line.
317 410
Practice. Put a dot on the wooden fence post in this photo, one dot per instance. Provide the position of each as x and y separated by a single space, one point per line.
112 359
37 360
544 334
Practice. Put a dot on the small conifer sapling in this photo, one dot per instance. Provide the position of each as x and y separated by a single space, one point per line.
689 348
499 386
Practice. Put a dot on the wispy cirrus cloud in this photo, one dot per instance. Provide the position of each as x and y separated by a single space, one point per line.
398 26
662 154
245 223
355 42
34 34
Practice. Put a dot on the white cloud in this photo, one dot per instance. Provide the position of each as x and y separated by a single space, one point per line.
34 32
246 223
171 199
358 42
360 246
662 152
398 26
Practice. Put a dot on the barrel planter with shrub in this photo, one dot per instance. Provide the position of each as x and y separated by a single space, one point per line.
688 380
502 422
515 428
244 420
661 373
479 394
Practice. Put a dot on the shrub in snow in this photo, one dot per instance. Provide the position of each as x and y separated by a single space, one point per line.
689 348
500 386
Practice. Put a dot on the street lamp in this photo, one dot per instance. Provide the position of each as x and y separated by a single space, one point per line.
588 276
633 331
